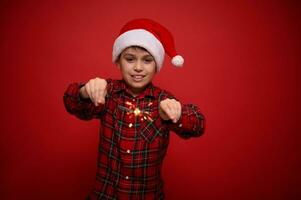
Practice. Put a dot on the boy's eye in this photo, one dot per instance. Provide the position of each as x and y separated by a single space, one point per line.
129 59
148 60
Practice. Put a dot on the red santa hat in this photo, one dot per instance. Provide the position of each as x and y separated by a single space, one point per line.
150 35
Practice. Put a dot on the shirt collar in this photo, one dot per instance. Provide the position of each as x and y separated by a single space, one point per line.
121 86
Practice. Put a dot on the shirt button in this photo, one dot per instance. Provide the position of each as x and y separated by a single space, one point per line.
180 125
127 177
128 151
130 125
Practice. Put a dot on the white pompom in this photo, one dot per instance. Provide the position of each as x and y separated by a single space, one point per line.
177 61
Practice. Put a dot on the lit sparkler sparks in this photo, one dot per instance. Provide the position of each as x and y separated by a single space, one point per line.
141 114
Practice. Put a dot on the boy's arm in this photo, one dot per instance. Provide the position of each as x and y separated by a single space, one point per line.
186 120
190 124
83 108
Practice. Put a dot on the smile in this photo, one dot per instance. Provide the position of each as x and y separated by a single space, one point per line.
137 77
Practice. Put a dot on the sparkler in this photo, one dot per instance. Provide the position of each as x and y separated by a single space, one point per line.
134 110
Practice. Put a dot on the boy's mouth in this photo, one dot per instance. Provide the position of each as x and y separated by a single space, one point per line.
137 77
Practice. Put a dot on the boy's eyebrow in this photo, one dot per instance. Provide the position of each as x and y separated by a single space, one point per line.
128 54
144 56
148 55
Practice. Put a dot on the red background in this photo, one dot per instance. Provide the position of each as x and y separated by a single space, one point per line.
241 68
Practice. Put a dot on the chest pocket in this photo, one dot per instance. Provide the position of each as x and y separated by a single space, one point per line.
152 129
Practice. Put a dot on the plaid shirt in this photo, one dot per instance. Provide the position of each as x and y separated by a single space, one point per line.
133 139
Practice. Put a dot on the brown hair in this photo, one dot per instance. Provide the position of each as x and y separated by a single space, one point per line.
134 47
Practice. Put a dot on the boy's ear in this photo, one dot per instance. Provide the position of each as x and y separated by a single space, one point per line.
117 64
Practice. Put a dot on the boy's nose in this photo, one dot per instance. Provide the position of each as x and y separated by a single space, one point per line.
138 66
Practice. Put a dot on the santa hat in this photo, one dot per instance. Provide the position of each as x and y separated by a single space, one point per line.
150 35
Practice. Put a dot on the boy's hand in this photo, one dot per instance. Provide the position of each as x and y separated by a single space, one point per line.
170 109
96 90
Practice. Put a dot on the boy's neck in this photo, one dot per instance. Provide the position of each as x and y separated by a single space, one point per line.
135 91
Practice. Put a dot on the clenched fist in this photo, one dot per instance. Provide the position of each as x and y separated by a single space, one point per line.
96 90
170 109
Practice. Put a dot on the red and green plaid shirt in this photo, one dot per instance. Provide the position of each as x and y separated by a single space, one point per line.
133 139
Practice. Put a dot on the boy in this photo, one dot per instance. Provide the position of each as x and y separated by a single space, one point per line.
136 116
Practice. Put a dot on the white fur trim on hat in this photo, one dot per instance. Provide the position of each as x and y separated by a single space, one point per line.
142 38
177 61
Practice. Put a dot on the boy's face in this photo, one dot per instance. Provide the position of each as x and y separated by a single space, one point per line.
137 67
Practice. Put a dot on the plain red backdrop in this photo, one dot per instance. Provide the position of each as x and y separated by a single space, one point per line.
242 62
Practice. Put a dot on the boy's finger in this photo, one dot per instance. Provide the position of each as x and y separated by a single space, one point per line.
179 107
88 90
101 100
165 115
101 97
91 87
93 93
171 105
96 97
174 113
169 111
164 109
177 112
95 102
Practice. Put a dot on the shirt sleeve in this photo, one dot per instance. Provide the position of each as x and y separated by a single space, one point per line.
190 124
76 105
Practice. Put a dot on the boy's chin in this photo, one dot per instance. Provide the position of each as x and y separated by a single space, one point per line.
138 86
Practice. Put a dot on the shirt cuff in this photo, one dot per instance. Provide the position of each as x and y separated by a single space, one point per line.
80 98
173 125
